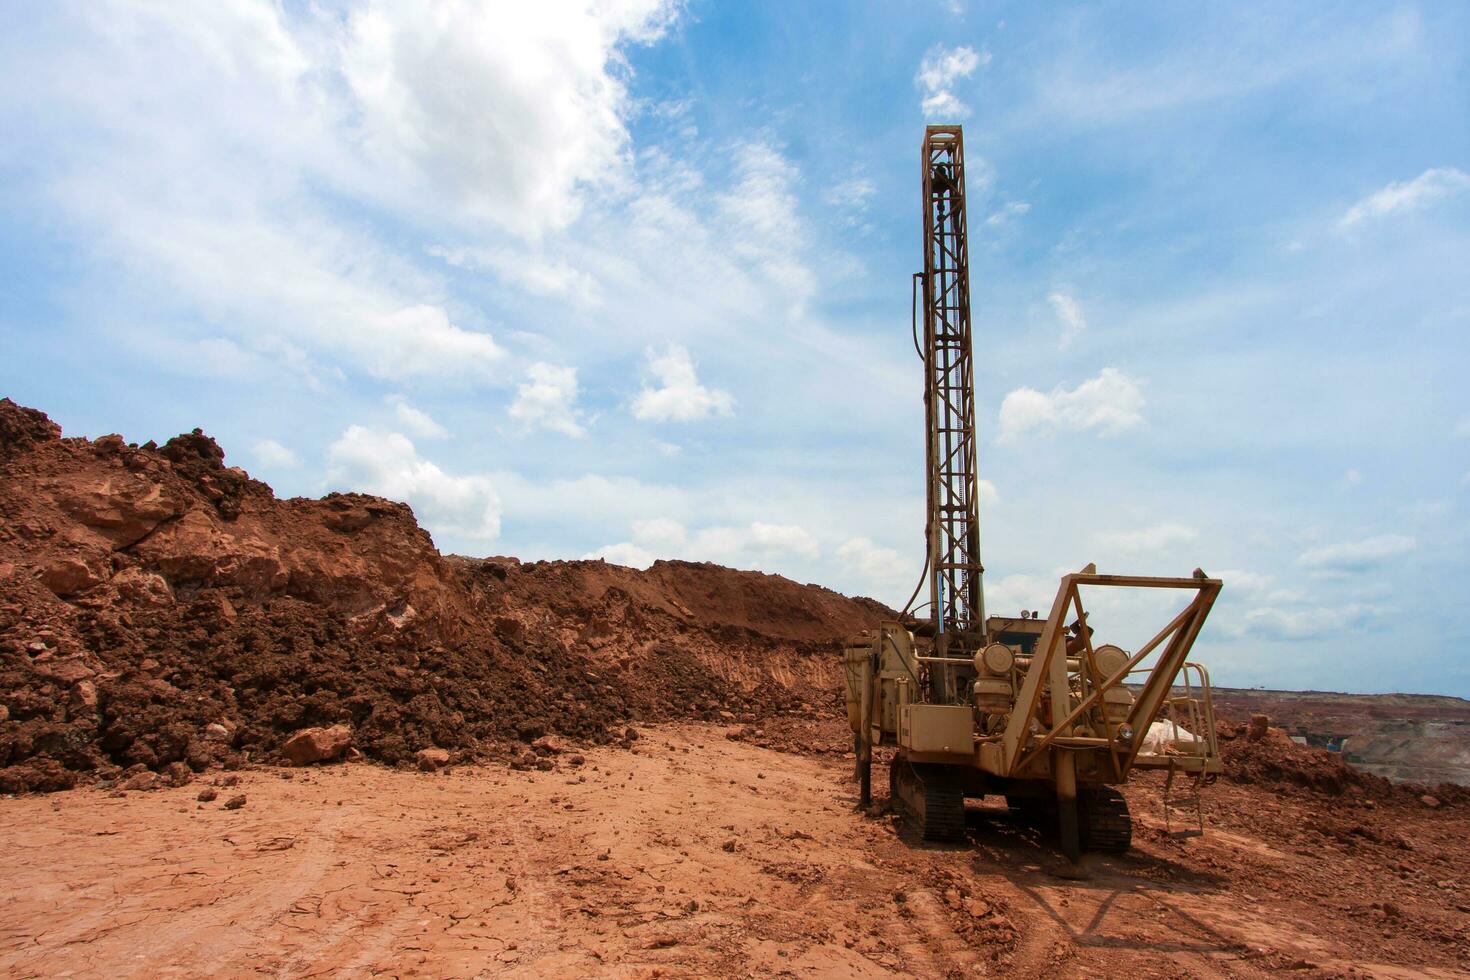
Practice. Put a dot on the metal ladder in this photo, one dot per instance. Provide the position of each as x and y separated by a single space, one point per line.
1199 712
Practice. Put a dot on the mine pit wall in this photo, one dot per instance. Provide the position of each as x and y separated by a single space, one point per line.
1423 739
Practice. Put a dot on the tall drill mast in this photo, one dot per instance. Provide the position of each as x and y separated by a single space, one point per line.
953 525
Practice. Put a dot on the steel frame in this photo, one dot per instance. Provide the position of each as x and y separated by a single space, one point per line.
1049 664
956 592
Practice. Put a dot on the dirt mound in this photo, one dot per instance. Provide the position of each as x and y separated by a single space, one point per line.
158 606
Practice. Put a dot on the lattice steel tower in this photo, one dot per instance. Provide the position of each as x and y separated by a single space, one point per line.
953 527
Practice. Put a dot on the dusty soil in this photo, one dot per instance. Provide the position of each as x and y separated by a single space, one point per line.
696 853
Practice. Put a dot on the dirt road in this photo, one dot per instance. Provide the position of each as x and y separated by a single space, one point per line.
693 854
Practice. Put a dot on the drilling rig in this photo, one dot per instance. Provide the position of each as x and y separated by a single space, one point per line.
1025 707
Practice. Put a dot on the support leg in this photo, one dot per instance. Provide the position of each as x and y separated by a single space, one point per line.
1066 776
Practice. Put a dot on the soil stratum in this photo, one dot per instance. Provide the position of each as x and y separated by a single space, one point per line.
565 769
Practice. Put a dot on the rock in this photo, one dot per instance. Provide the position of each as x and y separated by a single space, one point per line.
4 712
235 802
178 774
142 781
727 716
978 909
69 576
1260 725
576 760
231 780
63 670
216 732
548 745
729 845
83 699
142 587
545 765
317 744
631 735
432 758
207 795
1430 801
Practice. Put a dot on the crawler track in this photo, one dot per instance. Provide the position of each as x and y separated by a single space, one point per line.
928 800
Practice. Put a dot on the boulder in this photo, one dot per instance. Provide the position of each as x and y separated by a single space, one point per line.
69 576
1260 725
432 758
548 745
317 745
141 781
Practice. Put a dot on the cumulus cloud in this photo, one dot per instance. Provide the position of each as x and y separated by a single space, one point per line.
548 400
678 397
499 112
1107 404
224 181
1357 556
1155 538
416 421
1410 195
273 455
883 573
388 464
938 71
1069 311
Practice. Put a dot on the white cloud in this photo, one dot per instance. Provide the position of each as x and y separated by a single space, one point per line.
1356 556
1155 538
1352 478
761 223
1069 311
679 396
938 71
885 574
1012 209
1108 404
757 545
989 496
623 553
222 183
1462 428
1008 595
500 113
1304 622
532 272
1411 195
548 400
387 464
851 197
415 420
273 455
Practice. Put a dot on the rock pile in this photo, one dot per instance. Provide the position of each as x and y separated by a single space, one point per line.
158 607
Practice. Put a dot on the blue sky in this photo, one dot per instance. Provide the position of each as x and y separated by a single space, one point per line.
630 279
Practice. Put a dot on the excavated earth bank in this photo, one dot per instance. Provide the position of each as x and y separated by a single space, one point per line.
161 609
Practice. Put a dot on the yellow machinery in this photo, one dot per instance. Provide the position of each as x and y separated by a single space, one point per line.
1029 708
